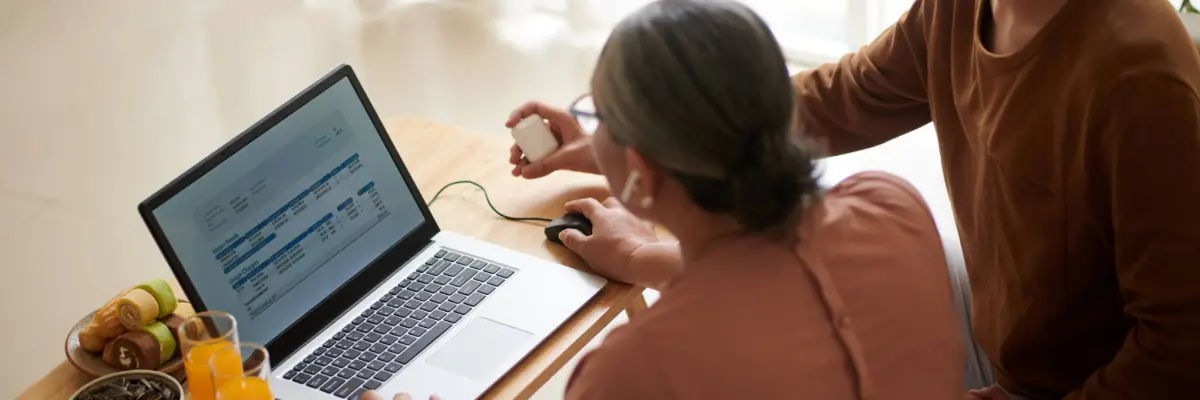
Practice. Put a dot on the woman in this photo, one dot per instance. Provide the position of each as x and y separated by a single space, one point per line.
774 288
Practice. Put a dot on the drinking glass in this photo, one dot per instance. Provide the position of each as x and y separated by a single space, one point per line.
200 337
240 372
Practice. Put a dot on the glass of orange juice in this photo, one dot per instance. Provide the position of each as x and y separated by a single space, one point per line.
240 372
199 338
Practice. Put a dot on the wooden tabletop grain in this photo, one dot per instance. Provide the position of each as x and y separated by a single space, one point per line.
437 154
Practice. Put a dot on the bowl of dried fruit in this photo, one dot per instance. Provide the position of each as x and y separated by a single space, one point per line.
130 385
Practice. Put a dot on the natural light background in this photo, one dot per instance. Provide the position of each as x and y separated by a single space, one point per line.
810 31
816 31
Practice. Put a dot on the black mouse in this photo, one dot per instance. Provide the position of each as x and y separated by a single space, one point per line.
574 221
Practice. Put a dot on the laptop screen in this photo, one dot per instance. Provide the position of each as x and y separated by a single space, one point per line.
282 223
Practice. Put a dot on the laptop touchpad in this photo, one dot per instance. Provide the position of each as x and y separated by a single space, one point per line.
479 349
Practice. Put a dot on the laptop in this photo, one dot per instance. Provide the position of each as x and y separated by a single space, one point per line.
309 230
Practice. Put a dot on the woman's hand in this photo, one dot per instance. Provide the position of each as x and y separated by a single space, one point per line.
372 395
616 236
574 151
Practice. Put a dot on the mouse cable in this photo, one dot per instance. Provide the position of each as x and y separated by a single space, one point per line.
489 201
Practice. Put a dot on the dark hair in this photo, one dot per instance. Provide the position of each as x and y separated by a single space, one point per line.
702 88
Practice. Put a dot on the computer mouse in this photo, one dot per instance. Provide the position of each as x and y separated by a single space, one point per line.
574 221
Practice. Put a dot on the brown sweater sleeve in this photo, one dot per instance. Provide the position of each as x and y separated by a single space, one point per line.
1150 146
871 96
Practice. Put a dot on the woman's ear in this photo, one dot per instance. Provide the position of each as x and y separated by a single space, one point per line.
644 180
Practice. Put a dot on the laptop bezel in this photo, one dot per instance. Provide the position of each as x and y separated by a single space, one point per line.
344 297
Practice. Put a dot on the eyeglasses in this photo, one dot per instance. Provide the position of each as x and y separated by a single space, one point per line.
584 111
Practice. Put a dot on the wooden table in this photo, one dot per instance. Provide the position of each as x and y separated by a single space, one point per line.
438 154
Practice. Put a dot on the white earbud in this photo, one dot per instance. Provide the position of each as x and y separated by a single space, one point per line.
630 184
647 202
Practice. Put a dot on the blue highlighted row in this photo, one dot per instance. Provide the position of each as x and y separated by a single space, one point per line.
275 257
256 248
345 204
366 188
289 205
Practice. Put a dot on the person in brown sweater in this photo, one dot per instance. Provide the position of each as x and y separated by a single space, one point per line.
1071 150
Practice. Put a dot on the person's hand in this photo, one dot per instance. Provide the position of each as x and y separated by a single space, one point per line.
574 151
993 392
616 236
372 395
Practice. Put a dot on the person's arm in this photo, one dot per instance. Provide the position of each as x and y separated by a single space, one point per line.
621 246
655 265
871 96
1150 152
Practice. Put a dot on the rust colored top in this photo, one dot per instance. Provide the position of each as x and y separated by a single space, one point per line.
1073 166
859 309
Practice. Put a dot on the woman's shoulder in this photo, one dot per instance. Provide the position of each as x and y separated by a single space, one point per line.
875 242
877 209
878 187
876 197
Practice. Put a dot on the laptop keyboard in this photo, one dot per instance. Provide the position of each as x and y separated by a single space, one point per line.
378 344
